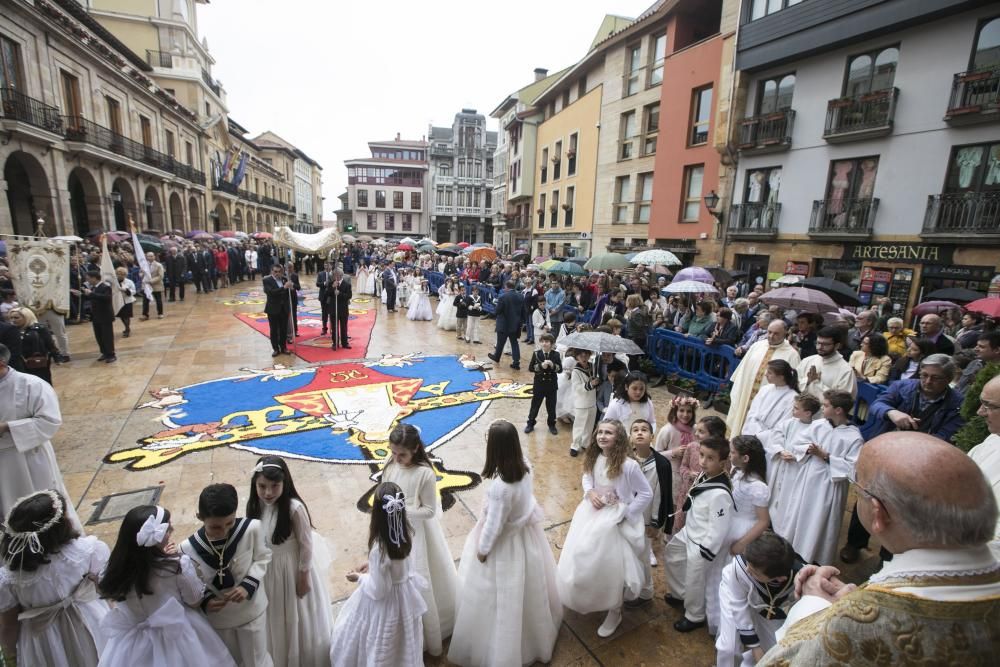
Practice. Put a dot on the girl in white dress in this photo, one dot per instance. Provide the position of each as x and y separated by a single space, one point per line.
298 613
509 611
380 624
604 560
750 517
370 278
155 622
363 279
403 289
631 401
411 469
420 304
47 596
446 310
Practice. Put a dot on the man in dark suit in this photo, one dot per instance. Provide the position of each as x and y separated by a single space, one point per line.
207 261
280 293
102 315
338 297
193 259
293 277
176 267
323 280
509 313
389 283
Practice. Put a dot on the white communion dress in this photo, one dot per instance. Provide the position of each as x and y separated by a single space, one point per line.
162 629
362 275
298 629
430 555
604 559
420 305
508 610
447 311
380 624
61 613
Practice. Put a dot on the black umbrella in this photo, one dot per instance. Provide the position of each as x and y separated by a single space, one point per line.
960 294
724 276
522 257
841 293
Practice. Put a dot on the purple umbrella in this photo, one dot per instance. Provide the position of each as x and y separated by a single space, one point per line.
933 307
194 232
695 273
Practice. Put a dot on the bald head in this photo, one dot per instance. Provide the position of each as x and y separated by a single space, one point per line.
776 332
933 494
989 405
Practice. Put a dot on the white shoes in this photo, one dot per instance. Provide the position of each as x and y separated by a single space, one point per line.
652 559
611 623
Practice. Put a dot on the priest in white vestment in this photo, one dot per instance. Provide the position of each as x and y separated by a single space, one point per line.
749 376
29 417
987 453
827 369
931 506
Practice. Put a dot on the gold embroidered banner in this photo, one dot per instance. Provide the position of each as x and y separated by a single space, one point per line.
40 271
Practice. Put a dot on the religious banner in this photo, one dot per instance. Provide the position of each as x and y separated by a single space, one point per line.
39 269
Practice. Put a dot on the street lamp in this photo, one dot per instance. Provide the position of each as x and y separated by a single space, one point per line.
711 201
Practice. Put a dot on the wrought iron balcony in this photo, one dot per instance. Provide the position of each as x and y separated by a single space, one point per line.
860 117
18 106
967 215
843 218
160 59
766 133
754 220
975 97
211 83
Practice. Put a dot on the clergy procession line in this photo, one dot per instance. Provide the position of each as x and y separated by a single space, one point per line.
744 513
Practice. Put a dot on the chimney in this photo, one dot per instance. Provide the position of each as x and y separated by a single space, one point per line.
540 73
397 136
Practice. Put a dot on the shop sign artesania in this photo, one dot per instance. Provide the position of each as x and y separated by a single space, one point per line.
914 253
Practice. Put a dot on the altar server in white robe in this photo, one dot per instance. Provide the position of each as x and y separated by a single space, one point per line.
749 376
822 481
29 418
773 403
987 453
782 464
827 369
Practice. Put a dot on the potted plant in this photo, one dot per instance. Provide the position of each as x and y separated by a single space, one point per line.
722 399
552 207
540 211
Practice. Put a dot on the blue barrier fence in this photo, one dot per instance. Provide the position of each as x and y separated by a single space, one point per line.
674 353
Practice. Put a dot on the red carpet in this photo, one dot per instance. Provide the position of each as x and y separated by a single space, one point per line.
309 345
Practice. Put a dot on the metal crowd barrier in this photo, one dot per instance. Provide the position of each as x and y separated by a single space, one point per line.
674 353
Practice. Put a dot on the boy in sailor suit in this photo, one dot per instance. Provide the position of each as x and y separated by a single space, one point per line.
689 554
757 588
232 557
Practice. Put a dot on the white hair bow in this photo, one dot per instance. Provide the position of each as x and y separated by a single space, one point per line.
261 465
394 506
153 530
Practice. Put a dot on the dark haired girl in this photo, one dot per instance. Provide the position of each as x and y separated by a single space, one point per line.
299 621
150 583
631 402
48 572
773 403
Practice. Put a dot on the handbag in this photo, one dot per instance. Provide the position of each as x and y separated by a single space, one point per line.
36 361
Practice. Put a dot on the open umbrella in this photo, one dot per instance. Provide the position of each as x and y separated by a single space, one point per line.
841 293
481 254
408 241
232 240
262 235
449 251
404 247
463 245
655 256
695 273
988 307
205 236
689 287
171 238
69 238
789 279
610 261
521 257
725 275
582 261
241 235
150 243
227 233
568 269
349 238
933 307
959 294
194 232
548 264
599 342
366 238
802 299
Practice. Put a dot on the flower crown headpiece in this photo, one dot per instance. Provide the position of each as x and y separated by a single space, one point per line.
679 401
28 539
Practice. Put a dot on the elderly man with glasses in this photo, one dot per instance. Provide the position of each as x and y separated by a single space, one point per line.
987 453
926 404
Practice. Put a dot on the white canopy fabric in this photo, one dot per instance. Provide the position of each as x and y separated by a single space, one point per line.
320 243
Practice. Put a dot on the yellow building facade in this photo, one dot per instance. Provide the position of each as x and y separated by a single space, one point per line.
566 171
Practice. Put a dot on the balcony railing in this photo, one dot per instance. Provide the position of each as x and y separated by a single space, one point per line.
767 132
975 96
754 220
860 117
78 128
160 59
18 106
847 218
211 83
966 215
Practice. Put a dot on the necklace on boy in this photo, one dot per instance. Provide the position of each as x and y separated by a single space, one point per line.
220 573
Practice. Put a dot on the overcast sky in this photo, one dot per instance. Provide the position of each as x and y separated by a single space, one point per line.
331 76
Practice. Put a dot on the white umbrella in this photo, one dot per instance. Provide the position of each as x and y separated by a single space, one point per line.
408 240
656 256
348 238
599 342
690 287
68 239
380 242
789 280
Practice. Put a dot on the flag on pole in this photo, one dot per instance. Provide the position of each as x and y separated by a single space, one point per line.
140 257
241 169
108 274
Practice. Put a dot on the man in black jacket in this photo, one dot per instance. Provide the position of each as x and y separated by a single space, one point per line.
338 297
193 259
207 261
280 293
176 267
102 315
323 280
10 336
509 314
